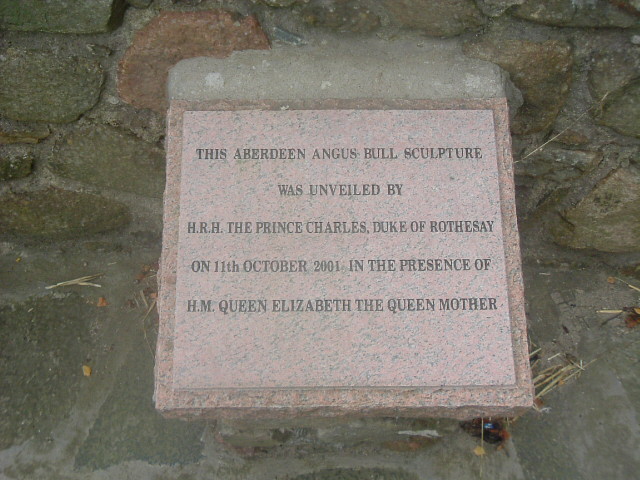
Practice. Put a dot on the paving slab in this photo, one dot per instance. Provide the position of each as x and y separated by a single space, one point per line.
27 376
128 427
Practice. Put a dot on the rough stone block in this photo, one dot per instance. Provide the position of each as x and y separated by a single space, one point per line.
580 13
341 16
139 3
621 110
558 164
173 36
38 86
438 18
542 71
495 8
61 16
59 214
107 157
607 218
613 68
16 132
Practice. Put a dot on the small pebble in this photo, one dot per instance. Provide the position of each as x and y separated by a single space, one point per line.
288 37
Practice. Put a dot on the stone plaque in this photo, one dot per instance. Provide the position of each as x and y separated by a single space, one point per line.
340 257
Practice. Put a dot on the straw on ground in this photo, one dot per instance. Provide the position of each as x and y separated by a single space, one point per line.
83 281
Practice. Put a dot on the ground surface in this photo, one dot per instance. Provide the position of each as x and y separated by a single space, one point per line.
59 423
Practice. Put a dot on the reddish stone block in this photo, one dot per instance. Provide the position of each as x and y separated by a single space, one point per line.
174 36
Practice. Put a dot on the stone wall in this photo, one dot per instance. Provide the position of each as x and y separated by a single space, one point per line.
82 102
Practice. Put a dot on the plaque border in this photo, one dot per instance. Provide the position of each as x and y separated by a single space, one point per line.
447 401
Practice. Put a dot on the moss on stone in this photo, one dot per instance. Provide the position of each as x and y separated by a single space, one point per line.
15 167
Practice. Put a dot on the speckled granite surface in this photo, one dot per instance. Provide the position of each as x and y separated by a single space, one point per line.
444 356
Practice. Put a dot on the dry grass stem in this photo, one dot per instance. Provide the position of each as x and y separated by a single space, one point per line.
598 105
628 284
553 356
619 311
144 328
553 376
82 281
550 378
144 299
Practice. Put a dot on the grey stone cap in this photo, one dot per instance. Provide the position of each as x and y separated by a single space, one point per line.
408 68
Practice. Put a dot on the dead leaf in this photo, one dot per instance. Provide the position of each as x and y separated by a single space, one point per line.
86 369
632 319
611 279
148 292
102 302
146 271
538 402
479 451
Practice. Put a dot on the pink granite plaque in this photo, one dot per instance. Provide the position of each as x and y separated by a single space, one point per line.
326 259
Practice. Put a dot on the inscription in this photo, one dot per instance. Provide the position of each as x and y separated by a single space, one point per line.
368 153
340 227
371 265
332 232
324 305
